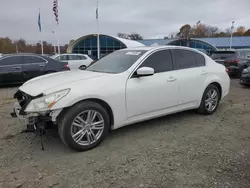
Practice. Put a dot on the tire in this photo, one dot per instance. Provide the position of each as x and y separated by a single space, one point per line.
66 128
203 108
82 67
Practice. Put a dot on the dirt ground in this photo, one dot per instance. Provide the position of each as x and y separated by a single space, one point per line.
176 151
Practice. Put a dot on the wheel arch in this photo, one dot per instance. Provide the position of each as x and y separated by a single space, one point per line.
218 85
99 101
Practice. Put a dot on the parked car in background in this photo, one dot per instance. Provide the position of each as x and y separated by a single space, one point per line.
232 60
202 50
244 53
245 77
18 68
122 88
75 61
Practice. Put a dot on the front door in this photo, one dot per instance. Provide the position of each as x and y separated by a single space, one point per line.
33 66
156 93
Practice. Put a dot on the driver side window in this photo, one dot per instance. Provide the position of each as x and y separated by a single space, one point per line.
160 61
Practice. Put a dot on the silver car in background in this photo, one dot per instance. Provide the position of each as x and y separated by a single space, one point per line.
244 53
75 61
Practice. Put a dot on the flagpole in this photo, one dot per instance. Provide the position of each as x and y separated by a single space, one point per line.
54 42
58 41
98 35
55 10
42 46
58 28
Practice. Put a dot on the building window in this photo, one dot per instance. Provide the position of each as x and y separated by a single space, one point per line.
89 46
197 44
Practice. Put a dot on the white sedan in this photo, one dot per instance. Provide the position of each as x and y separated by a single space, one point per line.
75 61
125 87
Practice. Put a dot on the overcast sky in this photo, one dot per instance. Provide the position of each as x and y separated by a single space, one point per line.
150 18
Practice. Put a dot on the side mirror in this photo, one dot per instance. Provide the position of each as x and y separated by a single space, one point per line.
145 71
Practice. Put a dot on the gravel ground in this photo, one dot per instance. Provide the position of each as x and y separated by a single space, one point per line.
181 150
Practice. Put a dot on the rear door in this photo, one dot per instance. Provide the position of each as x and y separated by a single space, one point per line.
74 61
191 74
33 66
11 70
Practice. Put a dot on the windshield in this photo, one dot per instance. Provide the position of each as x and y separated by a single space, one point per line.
116 62
224 55
53 56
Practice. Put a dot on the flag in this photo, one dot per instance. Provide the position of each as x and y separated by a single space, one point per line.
97 14
39 22
55 10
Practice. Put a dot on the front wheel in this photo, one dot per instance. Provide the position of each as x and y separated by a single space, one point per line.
210 100
84 126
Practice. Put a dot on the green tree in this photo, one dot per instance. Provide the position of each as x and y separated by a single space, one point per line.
185 32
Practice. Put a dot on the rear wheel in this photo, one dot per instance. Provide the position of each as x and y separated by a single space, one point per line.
49 72
82 67
210 100
84 126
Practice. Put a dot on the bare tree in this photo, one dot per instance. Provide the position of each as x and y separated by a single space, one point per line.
132 36
123 35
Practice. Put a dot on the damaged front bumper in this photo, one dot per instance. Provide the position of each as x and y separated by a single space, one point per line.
32 119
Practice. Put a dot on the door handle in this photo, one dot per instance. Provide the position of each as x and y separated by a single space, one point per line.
171 79
17 67
203 73
41 65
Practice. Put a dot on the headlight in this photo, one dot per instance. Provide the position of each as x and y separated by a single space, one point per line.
245 71
46 102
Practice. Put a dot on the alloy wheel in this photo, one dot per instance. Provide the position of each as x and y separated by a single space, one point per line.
212 99
87 127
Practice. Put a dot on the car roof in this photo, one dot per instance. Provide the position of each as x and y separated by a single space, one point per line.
20 54
23 54
71 54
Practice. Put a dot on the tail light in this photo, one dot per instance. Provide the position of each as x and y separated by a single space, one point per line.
232 61
227 70
66 66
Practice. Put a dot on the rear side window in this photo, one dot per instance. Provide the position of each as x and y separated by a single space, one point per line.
73 57
160 61
184 59
81 57
200 59
14 60
33 59
62 58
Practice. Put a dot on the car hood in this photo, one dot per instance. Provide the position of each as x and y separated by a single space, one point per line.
40 84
